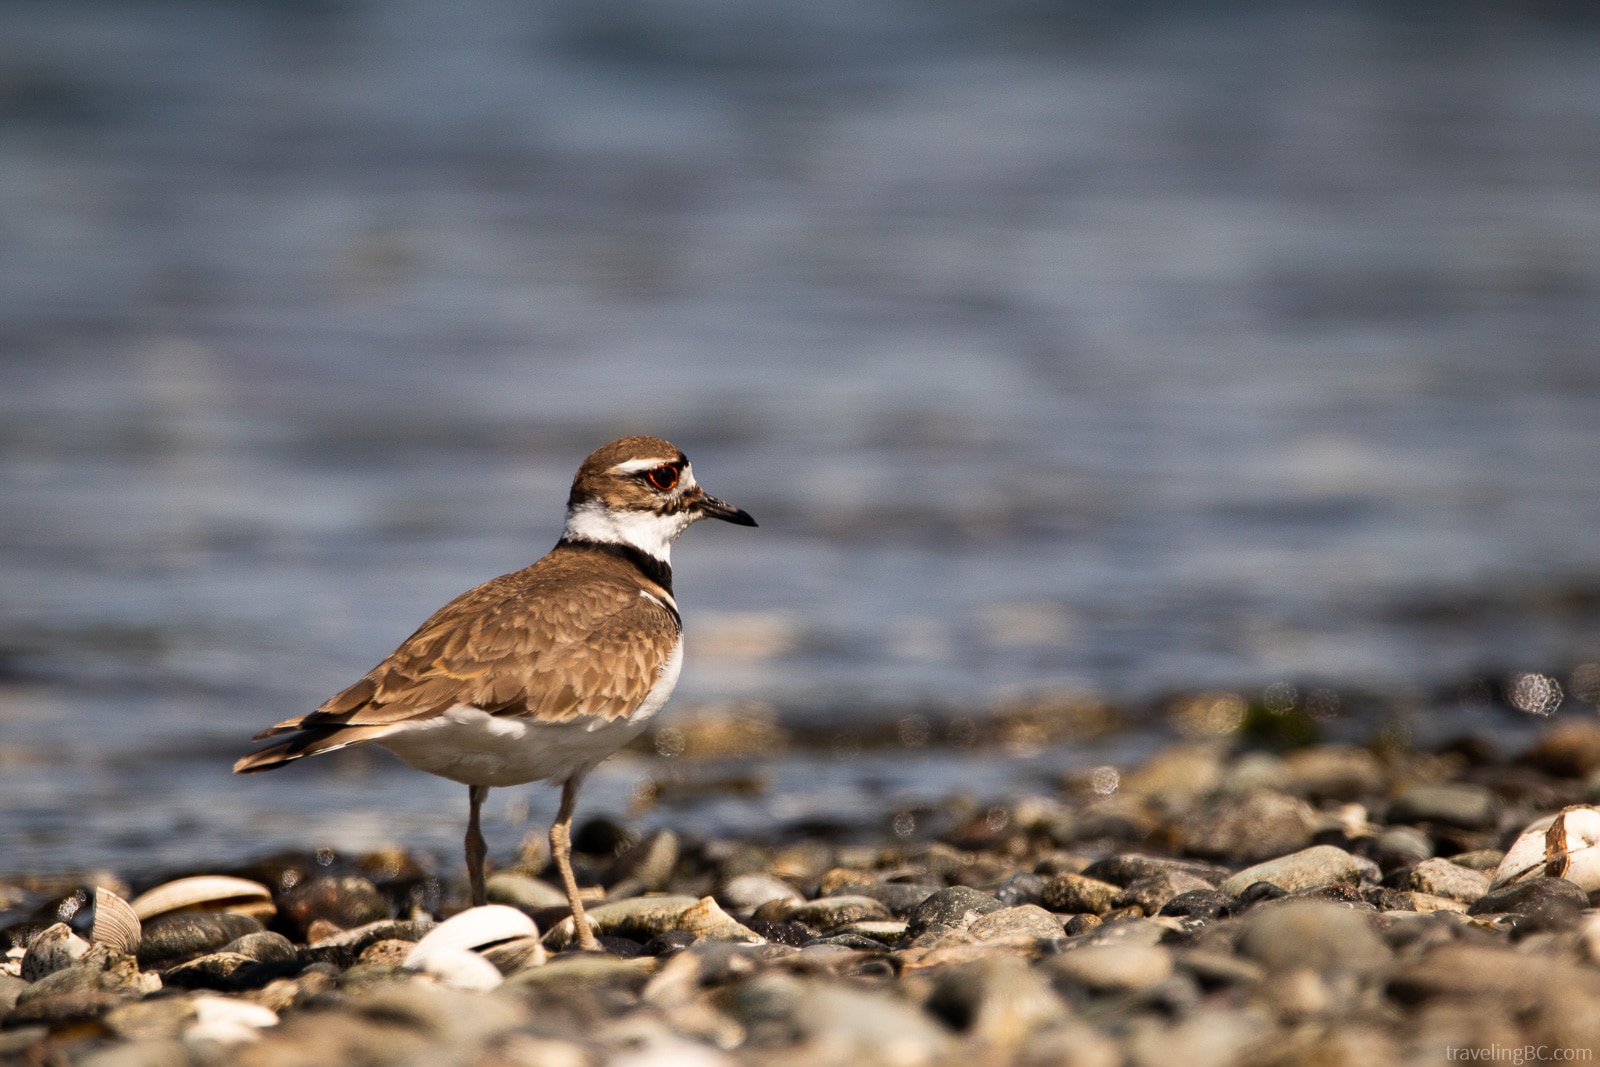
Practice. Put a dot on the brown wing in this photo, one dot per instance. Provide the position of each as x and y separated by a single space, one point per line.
541 642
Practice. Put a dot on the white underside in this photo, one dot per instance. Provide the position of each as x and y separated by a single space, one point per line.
468 745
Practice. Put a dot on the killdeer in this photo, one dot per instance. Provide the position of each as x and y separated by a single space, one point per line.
540 674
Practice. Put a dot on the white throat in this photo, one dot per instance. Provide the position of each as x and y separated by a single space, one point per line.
650 533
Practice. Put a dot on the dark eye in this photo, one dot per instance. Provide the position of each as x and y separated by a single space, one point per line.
663 477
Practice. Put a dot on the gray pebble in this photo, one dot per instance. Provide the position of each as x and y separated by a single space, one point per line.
1315 866
1153 891
1468 807
955 908
1024 920
1324 937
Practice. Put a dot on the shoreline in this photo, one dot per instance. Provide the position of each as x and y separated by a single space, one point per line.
1220 902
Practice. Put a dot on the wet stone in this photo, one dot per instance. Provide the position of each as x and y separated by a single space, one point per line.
955 908
901 898
263 947
168 939
1529 893
1467 807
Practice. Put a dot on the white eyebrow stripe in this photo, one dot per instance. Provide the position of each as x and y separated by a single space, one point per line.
634 466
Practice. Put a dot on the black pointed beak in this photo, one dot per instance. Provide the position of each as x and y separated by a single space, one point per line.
712 508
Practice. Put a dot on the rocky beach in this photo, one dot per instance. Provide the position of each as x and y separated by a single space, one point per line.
1220 903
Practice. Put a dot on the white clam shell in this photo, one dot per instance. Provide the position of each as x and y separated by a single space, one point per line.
475 928
1563 845
206 892
116 924
459 968
55 948
228 1022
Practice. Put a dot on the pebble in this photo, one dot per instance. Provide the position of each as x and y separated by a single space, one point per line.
1443 878
1026 920
1079 893
1468 807
1318 865
955 908
1312 934
829 913
1153 891
1262 824
1047 939
1113 968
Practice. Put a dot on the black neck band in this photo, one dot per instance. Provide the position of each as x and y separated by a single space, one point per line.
657 570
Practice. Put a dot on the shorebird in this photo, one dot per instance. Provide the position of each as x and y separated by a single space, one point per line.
540 674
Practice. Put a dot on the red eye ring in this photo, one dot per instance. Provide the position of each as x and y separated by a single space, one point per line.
663 477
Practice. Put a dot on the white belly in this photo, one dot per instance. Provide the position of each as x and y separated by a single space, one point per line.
468 745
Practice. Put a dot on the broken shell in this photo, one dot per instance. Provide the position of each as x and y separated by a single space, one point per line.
207 892
474 929
706 919
55 948
509 957
116 924
1563 845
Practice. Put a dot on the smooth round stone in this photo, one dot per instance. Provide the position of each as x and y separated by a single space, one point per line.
1441 878
1304 933
1025 887
343 949
1024 920
1482 859
264 947
1467 807
957 908
1318 865
1153 891
1333 772
645 867
216 970
901 898
743 894
520 891
346 901
882 931
1128 867
1256 827
830 913
189 933
1402 846
638 919
1198 904
1077 893
1113 968
1555 896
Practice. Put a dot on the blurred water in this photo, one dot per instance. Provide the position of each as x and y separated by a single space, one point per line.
1056 349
